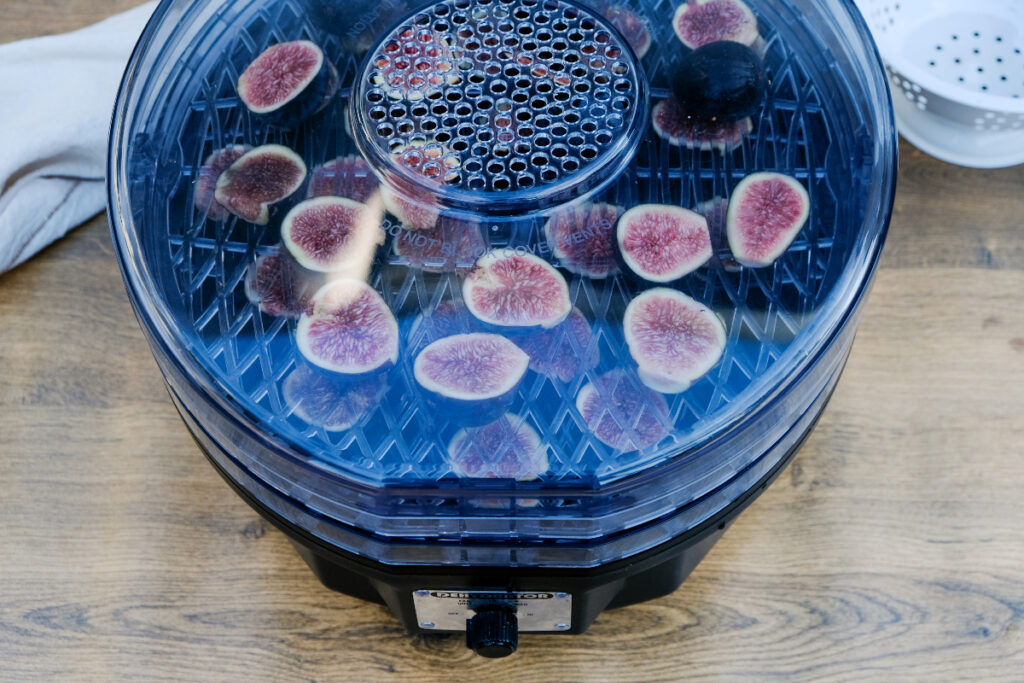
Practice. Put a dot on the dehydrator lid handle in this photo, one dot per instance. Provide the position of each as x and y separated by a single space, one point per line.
493 631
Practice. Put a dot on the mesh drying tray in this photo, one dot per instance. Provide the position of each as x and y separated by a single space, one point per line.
385 483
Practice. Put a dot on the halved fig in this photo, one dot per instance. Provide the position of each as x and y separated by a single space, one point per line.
632 27
562 351
331 235
678 128
583 239
766 211
419 212
288 82
348 328
509 288
715 211
507 448
450 246
620 411
276 284
349 177
673 339
470 367
206 180
699 22
330 402
260 177
444 320
662 243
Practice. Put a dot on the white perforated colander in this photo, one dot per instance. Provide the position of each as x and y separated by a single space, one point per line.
957 70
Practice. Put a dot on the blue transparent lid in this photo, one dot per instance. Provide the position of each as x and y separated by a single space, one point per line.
481 251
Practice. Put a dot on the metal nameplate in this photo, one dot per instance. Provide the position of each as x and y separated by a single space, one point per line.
448 610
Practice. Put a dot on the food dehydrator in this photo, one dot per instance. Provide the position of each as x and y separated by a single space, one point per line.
473 136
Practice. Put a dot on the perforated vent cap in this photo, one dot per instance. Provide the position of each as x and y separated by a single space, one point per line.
495 104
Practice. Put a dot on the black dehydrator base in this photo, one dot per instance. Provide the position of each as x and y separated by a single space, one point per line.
651 574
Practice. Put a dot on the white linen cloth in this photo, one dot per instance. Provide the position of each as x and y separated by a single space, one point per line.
56 98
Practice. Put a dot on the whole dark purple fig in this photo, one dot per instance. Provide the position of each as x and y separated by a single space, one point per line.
723 80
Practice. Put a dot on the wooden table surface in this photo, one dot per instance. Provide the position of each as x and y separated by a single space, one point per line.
892 547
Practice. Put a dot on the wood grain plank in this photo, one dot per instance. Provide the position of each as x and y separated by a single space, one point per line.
892 548
31 18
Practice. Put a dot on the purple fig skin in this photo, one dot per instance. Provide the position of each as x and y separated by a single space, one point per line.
582 237
766 212
673 339
206 180
679 129
623 413
276 284
507 448
508 288
328 402
720 81
662 243
260 177
332 235
699 22
561 352
288 82
470 367
715 211
348 329
349 177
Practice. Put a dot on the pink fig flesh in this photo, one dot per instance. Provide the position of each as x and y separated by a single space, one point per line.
277 286
331 234
260 177
633 28
419 212
206 180
349 177
510 288
449 247
766 212
562 351
673 339
507 448
470 367
699 22
662 243
279 74
583 239
623 413
348 328
327 402
676 127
